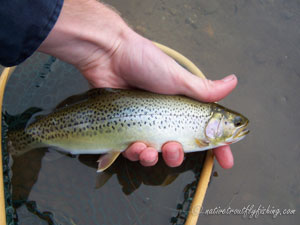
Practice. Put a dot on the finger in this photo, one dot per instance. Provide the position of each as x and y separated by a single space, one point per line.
172 153
224 156
206 90
178 80
149 157
133 151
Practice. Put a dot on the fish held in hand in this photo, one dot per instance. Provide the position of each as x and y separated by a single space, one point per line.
107 121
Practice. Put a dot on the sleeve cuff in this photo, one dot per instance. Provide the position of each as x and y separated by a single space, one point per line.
24 25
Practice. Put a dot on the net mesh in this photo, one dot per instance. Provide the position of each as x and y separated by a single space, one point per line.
9 210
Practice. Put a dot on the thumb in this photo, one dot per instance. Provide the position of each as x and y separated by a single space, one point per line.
204 89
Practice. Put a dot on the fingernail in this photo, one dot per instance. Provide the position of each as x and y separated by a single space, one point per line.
229 78
173 154
151 157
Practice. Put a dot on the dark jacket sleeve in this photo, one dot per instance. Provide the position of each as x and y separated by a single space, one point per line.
24 25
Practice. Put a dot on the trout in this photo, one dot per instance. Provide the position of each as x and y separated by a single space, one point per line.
107 121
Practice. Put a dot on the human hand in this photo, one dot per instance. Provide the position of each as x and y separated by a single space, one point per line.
109 54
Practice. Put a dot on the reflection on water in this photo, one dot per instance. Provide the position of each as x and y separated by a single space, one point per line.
69 189
132 175
256 40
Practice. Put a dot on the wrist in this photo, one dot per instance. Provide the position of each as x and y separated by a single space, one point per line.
77 38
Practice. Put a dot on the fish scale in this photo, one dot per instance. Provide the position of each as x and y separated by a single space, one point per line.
107 120
113 119
112 115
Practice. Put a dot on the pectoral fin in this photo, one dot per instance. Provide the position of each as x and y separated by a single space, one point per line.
201 143
106 160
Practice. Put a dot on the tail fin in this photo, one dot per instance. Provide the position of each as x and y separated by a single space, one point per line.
18 141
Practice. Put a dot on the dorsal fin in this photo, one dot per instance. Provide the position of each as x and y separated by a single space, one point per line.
74 99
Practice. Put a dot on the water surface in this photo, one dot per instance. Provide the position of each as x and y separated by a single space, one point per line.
259 42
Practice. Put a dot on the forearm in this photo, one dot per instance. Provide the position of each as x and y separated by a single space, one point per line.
82 25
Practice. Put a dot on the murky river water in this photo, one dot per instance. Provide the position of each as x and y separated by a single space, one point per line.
259 42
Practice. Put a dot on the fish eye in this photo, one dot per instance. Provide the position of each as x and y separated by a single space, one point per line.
237 121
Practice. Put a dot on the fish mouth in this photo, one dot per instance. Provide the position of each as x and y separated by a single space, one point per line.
241 131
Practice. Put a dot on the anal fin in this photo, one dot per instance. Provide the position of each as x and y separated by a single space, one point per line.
106 160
